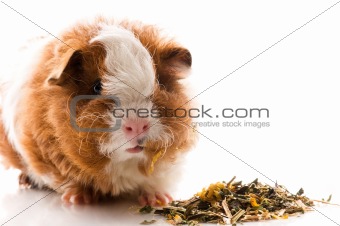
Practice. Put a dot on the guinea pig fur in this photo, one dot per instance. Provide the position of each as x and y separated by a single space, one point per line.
128 60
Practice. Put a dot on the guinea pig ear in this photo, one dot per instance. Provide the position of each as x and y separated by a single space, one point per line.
65 65
177 62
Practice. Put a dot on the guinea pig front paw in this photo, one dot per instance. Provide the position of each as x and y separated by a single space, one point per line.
78 195
25 181
154 199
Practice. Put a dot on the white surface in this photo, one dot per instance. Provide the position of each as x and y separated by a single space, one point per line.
297 80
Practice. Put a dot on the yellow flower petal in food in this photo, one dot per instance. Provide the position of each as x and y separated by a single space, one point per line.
154 160
212 193
253 202
178 219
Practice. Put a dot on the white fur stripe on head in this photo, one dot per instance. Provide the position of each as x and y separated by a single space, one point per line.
128 62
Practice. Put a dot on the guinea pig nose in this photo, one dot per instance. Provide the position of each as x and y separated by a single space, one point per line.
136 128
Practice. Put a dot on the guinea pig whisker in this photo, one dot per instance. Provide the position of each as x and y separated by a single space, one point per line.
90 117
68 104
96 115
101 138
172 137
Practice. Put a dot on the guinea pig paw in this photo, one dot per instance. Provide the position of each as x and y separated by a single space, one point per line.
79 196
154 199
25 181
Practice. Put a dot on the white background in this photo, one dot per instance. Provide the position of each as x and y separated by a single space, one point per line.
297 80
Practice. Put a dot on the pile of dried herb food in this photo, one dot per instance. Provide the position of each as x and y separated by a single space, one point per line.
228 203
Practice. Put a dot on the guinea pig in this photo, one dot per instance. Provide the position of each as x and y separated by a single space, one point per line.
100 110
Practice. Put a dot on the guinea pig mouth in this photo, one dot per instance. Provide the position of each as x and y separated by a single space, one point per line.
136 149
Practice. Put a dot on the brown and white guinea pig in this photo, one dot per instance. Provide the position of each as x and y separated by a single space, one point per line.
134 63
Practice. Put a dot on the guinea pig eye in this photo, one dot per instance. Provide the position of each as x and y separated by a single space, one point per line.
97 88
